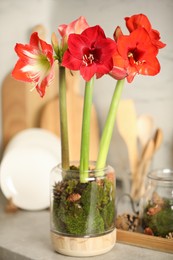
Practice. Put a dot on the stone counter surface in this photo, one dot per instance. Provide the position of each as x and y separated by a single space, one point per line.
25 235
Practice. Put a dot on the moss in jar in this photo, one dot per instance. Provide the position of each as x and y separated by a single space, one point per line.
84 208
157 218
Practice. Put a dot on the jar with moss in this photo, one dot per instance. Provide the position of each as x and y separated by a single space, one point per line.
83 211
157 204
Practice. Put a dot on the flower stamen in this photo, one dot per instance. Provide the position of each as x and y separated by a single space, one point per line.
88 60
133 61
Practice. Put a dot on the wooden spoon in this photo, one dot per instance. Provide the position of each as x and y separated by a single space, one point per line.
158 139
140 175
148 153
145 126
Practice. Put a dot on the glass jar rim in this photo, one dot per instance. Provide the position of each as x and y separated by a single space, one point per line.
162 174
92 164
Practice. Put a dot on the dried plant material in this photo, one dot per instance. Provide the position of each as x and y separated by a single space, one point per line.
170 235
127 222
111 177
148 231
11 207
154 210
100 182
74 197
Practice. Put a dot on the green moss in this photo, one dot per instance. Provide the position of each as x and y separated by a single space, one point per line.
82 225
108 214
161 223
71 186
93 213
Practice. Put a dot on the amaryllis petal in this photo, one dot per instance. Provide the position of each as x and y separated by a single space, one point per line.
141 21
24 51
155 36
136 21
118 73
132 73
37 43
78 40
94 33
35 63
104 68
70 62
117 33
110 44
150 68
44 83
77 26
18 74
88 72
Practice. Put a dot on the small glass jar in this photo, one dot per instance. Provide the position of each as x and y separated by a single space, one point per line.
157 204
82 212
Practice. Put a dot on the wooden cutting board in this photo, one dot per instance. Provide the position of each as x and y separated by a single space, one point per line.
50 119
21 108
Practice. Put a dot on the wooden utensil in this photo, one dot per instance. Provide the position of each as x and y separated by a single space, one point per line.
141 169
158 139
127 127
145 127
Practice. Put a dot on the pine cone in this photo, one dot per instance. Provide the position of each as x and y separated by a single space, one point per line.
127 222
170 235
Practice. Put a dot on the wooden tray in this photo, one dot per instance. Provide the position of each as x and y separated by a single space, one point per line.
142 240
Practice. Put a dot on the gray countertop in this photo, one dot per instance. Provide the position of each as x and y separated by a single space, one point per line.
25 235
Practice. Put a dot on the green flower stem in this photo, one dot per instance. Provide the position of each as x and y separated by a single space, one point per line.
63 119
109 126
85 138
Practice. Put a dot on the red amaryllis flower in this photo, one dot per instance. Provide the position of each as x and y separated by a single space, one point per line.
35 63
90 52
140 20
136 54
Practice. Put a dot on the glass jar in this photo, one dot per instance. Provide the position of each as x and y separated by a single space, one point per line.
82 212
157 204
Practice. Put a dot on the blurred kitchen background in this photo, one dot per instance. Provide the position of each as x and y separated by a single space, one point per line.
152 96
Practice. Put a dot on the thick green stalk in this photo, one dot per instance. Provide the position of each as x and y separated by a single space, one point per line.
109 126
63 119
85 138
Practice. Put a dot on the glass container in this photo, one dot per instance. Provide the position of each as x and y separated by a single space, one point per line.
82 212
157 204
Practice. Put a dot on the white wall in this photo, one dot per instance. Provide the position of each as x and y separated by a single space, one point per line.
153 95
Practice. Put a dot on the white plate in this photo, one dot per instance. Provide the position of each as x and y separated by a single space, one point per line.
25 172
33 136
